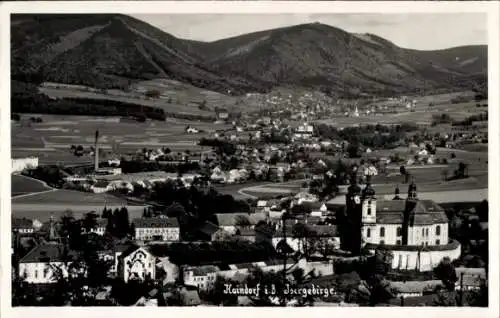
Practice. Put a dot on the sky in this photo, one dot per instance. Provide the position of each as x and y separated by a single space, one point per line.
422 31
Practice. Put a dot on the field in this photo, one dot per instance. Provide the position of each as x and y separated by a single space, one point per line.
51 140
21 185
175 97
69 198
422 115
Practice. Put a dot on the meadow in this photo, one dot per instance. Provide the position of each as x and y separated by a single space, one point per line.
52 139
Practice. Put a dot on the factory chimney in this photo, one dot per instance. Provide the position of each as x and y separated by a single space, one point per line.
96 151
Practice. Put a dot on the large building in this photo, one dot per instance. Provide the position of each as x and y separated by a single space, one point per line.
44 263
416 231
157 229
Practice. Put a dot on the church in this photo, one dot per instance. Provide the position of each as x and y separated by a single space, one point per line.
414 230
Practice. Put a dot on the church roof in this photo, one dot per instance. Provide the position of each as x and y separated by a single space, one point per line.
425 212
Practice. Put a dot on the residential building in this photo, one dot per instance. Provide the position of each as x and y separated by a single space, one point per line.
42 264
157 229
414 288
470 278
231 221
20 164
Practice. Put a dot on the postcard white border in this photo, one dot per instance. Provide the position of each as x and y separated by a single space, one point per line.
257 7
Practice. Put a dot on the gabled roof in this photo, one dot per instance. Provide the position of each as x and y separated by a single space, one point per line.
156 222
204 270
425 212
21 223
47 253
209 228
132 249
101 184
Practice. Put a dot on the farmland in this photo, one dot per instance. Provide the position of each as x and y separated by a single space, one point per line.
21 185
174 97
51 140
423 114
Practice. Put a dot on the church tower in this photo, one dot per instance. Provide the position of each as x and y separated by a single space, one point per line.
353 226
369 203
409 217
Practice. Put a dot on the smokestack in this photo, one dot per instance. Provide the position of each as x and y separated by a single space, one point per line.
96 151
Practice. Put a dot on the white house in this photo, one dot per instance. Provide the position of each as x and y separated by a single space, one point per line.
101 187
19 164
40 265
157 229
136 263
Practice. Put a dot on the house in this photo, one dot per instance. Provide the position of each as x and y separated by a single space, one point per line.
246 233
157 229
101 186
22 226
40 265
222 115
230 221
136 263
471 278
117 251
191 130
414 288
304 131
202 277
208 231
317 209
218 176
100 227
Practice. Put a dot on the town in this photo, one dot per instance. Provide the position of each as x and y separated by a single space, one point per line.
164 193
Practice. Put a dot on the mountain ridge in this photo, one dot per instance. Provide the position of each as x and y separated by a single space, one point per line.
113 50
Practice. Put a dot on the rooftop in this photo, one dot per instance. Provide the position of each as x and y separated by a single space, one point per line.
48 252
157 222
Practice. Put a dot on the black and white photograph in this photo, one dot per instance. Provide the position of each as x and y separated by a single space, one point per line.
251 159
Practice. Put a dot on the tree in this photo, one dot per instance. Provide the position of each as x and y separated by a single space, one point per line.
353 150
146 213
402 170
445 271
462 170
482 211
90 221
121 222
298 275
175 210
307 236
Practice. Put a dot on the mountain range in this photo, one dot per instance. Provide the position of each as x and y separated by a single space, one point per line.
112 51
